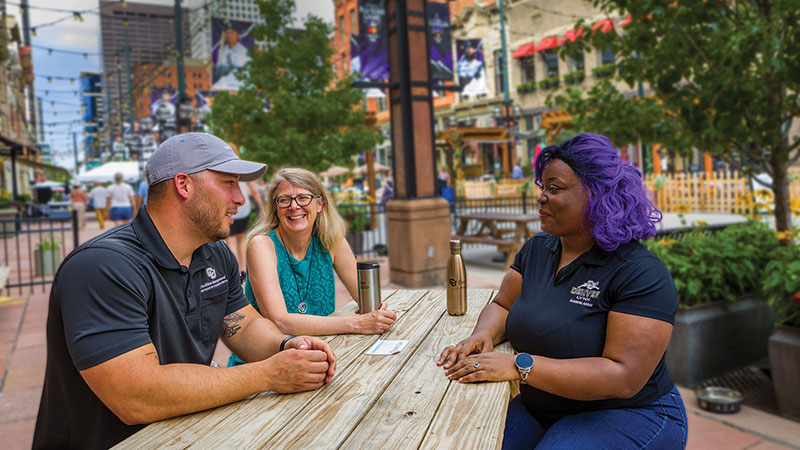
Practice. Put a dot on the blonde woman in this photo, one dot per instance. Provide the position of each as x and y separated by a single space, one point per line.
292 252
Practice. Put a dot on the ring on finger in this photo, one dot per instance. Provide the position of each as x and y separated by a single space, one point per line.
476 364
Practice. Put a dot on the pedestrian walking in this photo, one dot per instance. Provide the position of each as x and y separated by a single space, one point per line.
79 201
99 198
120 201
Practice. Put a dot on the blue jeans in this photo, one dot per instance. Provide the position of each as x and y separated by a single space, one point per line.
660 425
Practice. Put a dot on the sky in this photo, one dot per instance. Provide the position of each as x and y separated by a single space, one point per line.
60 105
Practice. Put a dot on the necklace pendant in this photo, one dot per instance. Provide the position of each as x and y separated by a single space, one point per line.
302 307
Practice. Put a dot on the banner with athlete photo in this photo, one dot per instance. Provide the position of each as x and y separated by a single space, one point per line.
441 50
471 69
163 102
373 40
231 42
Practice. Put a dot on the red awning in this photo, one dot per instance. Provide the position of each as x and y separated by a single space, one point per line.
626 20
604 25
547 43
525 50
571 35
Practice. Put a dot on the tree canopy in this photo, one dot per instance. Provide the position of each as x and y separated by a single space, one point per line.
721 76
287 113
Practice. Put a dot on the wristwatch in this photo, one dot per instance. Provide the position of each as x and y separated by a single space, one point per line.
524 363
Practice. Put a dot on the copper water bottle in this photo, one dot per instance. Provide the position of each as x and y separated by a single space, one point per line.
456 281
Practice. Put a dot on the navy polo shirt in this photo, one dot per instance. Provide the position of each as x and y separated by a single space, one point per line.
565 316
118 292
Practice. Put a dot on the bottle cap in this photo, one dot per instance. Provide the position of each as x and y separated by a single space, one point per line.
366 265
455 244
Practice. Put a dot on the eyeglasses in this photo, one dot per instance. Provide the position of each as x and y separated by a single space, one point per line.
301 200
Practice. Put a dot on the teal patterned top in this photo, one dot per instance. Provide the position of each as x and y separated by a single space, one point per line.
315 296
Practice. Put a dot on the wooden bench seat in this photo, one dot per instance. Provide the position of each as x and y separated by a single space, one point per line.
510 248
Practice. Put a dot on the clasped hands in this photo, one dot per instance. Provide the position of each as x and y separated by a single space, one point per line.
473 360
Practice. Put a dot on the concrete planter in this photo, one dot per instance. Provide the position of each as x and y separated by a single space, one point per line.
46 262
356 241
709 340
784 361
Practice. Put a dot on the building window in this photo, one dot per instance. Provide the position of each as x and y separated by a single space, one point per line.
607 56
341 28
344 65
381 101
353 22
527 69
335 72
498 70
576 62
550 63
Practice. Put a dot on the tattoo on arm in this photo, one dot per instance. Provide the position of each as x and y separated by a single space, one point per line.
230 324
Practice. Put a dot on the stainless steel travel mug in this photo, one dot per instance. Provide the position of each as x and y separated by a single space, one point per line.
369 286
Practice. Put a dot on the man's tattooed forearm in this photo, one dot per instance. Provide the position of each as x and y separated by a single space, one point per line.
230 324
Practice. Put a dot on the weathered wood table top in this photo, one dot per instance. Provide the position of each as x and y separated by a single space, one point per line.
395 401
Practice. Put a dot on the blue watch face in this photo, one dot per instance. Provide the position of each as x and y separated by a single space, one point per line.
524 361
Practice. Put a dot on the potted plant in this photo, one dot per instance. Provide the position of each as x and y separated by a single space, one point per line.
47 256
8 213
721 322
526 87
604 71
574 77
549 82
781 287
356 219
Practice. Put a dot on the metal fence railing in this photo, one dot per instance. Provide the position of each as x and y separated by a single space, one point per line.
33 249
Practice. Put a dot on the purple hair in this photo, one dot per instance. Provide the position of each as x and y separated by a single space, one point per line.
618 209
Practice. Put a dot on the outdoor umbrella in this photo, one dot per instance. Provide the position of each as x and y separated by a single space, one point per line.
361 170
335 171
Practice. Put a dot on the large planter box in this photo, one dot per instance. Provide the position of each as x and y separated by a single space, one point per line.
46 262
712 339
784 362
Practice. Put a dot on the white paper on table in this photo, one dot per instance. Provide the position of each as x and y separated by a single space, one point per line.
382 347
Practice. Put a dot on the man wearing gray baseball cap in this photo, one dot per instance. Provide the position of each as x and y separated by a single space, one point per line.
135 313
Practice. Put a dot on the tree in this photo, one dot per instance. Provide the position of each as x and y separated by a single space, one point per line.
287 113
724 77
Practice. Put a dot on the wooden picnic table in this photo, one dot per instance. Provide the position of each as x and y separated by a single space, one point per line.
395 401
491 232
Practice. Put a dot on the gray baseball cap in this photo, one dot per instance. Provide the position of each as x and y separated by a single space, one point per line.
194 152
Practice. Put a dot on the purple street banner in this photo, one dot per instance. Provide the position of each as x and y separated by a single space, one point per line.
441 50
163 102
373 40
231 41
355 67
471 70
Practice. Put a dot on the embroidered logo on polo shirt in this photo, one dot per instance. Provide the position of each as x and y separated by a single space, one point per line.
586 293
215 282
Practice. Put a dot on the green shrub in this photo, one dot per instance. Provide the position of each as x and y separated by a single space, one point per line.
48 243
724 265
781 285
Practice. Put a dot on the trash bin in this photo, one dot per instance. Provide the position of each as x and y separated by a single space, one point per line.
448 193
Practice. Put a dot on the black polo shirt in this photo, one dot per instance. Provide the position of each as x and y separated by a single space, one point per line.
565 316
118 292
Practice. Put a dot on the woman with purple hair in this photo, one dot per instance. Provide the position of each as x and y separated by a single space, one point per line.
589 311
